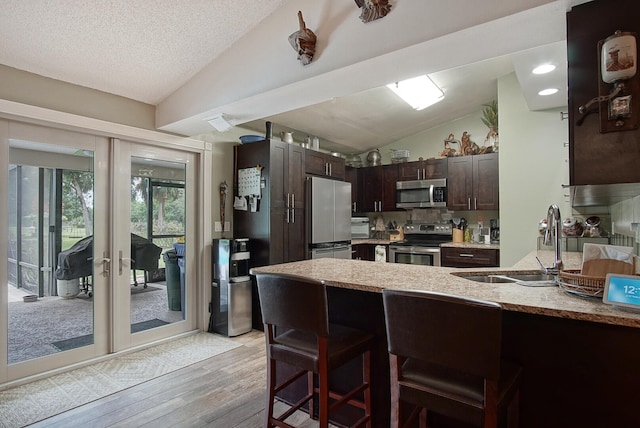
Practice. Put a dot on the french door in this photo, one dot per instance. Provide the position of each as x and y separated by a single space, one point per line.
162 181
99 244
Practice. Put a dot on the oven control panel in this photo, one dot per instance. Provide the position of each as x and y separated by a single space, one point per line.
428 229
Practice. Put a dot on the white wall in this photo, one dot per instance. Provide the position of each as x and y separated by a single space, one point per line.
533 167
32 89
430 142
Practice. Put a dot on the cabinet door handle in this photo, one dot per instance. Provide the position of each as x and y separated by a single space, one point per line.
288 200
466 255
330 171
424 174
293 208
418 173
469 203
475 203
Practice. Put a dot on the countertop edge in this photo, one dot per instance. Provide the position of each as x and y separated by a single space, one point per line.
374 277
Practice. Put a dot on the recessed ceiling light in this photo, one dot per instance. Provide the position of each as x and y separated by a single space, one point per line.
549 91
544 68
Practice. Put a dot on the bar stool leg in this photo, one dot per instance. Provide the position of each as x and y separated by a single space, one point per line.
271 385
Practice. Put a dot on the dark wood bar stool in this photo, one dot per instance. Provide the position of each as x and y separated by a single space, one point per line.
298 333
444 354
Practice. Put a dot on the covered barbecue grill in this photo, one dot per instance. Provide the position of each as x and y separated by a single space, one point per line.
77 261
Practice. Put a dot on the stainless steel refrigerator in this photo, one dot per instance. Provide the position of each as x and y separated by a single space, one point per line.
329 218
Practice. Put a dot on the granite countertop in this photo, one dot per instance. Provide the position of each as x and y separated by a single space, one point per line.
470 245
372 241
446 244
548 301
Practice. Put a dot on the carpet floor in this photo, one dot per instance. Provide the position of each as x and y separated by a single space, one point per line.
41 399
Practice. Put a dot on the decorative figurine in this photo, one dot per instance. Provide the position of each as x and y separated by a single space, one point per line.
223 201
373 9
303 41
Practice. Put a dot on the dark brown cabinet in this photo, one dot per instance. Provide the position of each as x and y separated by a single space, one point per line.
324 164
473 182
277 229
597 157
469 257
377 187
364 252
422 170
351 176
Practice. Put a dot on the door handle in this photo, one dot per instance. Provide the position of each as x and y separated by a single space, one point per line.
121 260
106 264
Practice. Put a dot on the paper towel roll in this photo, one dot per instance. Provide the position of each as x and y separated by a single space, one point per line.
381 253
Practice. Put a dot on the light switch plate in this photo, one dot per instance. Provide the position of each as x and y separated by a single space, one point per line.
217 226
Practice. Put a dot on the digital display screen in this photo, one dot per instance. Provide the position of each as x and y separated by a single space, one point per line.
622 290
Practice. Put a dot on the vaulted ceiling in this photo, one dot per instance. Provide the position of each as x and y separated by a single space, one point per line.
148 50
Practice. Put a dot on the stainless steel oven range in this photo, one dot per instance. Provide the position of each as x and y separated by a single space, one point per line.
421 245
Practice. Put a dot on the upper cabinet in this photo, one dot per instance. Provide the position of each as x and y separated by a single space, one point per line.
276 228
377 188
324 164
422 170
351 175
473 182
599 152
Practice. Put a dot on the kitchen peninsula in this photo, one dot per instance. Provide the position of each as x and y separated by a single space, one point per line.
579 355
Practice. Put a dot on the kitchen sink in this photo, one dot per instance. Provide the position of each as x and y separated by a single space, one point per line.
486 278
530 279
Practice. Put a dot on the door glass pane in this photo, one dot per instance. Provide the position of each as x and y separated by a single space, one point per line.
50 211
157 236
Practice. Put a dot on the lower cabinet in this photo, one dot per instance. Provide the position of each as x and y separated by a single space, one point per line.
469 257
364 252
367 252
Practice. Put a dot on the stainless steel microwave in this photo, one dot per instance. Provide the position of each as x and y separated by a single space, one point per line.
421 193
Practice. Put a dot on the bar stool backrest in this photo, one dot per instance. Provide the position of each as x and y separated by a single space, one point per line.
458 333
294 302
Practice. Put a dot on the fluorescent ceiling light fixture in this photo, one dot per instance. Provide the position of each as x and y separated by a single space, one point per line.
419 92
549 91
544 69
219 122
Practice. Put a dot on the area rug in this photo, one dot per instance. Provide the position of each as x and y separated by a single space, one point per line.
41 399
87 339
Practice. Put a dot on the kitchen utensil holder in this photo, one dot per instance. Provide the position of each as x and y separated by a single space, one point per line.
458 235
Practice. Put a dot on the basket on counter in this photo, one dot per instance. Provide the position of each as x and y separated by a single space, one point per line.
574 282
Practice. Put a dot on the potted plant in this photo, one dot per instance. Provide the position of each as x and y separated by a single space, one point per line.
490 119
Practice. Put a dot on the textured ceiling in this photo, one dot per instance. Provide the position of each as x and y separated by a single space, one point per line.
147 49
141 49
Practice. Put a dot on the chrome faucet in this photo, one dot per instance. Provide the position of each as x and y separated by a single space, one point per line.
554 230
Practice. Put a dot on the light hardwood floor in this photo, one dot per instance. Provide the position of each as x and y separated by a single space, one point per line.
224 391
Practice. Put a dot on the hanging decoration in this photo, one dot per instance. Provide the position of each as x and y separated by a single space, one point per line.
373 9
303 41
